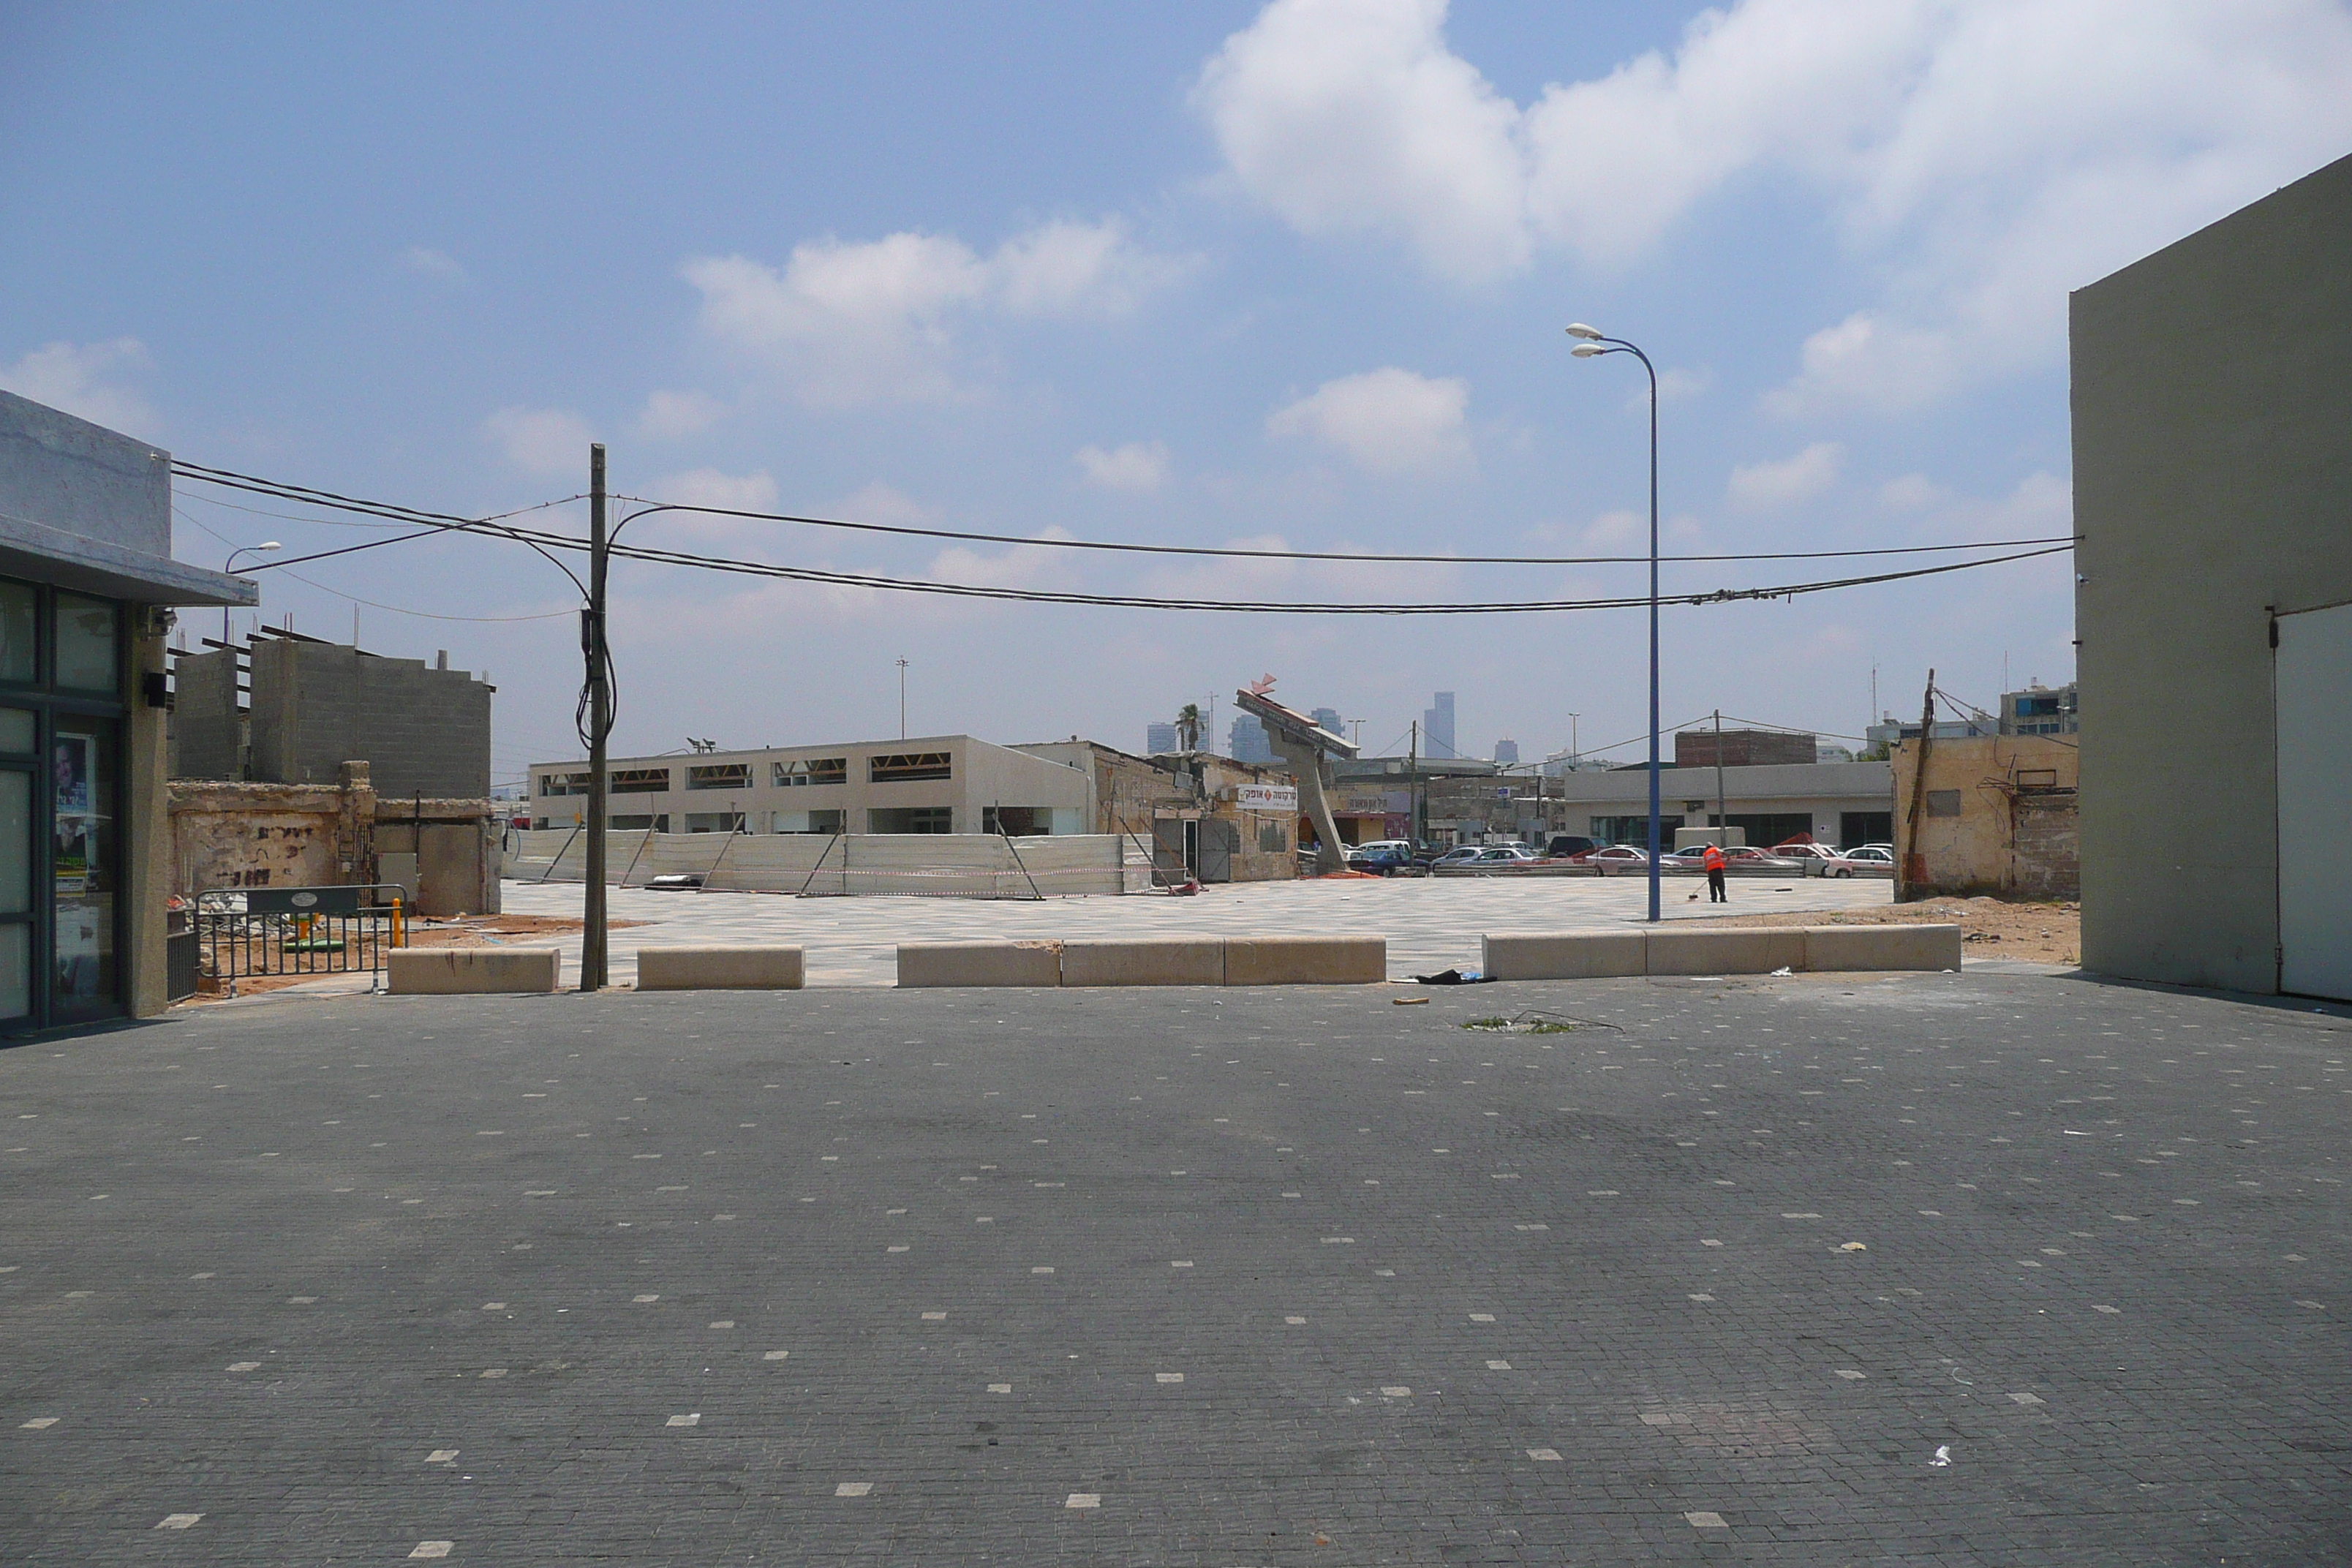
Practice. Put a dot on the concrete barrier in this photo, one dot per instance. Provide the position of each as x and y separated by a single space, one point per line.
980 963
1735 950
1167 961
1307 961
1566 956
744 968
1883 947
471 971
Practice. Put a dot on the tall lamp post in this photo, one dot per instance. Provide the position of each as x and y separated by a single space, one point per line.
1592 345
229 565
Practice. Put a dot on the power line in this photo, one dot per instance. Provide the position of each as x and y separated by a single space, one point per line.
544 543
1235 552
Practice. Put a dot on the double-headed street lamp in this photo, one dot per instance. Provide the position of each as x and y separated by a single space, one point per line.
1593 346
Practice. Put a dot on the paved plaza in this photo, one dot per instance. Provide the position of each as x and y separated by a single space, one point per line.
1959 1268
1430 923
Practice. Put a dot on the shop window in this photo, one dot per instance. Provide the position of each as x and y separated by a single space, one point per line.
19 627
86 651
640 781
812 771
718 775
907 767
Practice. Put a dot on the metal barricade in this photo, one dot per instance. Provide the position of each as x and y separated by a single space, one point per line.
248 932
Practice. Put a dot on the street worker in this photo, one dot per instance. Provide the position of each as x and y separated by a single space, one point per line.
1714 864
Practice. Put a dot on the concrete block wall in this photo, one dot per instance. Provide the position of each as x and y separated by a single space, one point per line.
208 740
318 705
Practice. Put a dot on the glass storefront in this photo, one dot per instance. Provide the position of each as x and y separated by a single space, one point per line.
61 855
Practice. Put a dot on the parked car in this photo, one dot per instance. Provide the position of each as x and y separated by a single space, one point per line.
1879 857
1385 855
1616 857
1819 859
1473 859
1566 846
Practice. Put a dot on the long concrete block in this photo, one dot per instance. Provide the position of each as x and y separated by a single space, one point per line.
980 963
743 968
1883 947
1740 950
470 971
1564 956
1167 961
1307 961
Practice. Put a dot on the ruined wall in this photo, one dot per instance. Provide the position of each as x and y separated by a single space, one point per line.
207 737
229 834
423 730
1997 815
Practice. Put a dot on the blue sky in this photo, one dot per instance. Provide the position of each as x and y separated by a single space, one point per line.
1291 272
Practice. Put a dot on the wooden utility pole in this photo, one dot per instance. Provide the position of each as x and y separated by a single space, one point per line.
1911 871
600 721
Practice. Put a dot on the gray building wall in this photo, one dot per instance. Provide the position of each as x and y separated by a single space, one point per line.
2212 414
208 740
316 706
80 479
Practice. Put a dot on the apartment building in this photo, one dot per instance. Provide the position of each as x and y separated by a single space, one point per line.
934 783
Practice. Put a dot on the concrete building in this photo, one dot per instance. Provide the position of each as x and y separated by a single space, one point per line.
1993 816
1437 727
933 783
316 705
1506 753
2212 394
2041 710
1391 797
1215 818
1743 748
87 586
1834 803
1159 740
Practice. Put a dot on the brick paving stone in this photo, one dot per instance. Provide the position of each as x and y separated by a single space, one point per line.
298 1193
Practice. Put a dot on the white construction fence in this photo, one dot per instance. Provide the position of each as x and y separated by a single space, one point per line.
930 865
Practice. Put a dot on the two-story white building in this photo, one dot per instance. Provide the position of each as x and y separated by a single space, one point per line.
933 783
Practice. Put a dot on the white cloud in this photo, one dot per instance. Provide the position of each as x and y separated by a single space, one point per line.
1137 466
1614 529
1391 421
708 487
1913 492
1983 158
83 380
668 415
427 262
872 321
1763 487
878 502
547 442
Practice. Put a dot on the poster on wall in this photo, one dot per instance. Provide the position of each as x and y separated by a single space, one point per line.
72 786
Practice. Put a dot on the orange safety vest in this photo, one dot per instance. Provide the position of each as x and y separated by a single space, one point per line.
1714 857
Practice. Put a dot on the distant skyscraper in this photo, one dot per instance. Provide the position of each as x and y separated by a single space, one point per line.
1329 718
1159 739
1437 728
1507 752
1249 743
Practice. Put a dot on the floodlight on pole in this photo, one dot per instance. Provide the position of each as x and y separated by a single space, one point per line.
1593 346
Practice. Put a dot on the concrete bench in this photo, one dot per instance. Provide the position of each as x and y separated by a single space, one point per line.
744 968
1167 961
1306 960
471 971
980 963
1718 950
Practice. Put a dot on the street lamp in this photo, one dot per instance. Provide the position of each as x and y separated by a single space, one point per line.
230 563
1592 345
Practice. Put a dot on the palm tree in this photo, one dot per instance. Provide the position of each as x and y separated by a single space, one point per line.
1188 727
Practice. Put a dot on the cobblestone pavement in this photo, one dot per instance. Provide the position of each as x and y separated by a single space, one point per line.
1947 1270
1430 923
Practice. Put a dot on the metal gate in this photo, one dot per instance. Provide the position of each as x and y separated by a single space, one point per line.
246 932
1219 839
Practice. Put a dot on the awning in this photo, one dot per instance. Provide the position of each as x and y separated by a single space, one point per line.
86 565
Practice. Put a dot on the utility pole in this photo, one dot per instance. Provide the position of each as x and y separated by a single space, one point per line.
902 697
1722 812
1911 866
1412 785
600 720
1574 755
